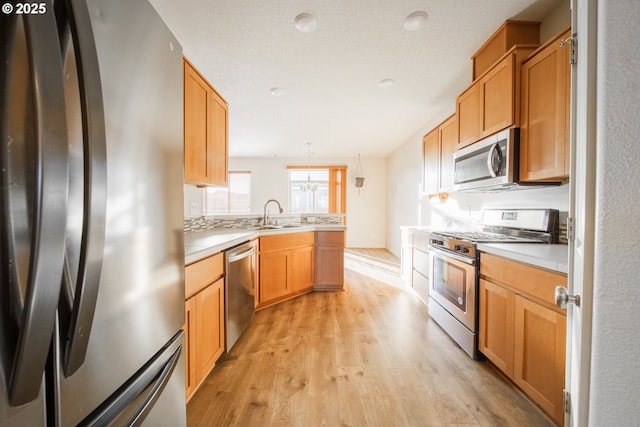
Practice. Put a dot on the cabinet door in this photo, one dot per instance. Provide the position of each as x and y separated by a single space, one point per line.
544 135
273 275
219 141
196 126
496 325
539 354
430 162
497 95
302 268
189 346
448 145
330 267
469 115
209 314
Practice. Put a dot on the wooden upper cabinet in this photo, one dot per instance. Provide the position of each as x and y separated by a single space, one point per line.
544 133
430 162
205 131
497 109
448 145
438 147
468 112
492 102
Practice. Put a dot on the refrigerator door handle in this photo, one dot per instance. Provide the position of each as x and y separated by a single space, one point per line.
132 402
95 187
50 211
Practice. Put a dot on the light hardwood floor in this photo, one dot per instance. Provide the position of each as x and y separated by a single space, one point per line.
368 356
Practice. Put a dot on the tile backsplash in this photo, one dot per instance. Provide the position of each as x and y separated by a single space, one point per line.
247 221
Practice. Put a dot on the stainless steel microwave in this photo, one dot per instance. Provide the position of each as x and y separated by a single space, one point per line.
490 164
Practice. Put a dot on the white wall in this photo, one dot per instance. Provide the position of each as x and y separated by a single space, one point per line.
615 363
366 213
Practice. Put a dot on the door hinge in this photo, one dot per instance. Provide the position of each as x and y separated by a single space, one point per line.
570 229
566 401
573 53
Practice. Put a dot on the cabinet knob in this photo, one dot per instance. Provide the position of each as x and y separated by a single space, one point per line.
563 298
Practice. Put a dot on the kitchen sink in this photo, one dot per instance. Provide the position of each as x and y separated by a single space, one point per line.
274 227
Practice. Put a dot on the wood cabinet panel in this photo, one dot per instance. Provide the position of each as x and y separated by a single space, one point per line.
545 124
329 262
277 242
302 261
430 162
496 325
273 276
469 115
448 145
196 126
509 34
537 283
539 355
218 152
202 273
205 131
209 325
520 331
497 99
191 381
492 102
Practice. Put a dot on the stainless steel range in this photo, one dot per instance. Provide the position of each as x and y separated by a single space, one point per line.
455 265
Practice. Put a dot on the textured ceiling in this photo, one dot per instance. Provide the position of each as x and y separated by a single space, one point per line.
330 76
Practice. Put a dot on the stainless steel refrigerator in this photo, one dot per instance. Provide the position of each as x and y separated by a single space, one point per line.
91 215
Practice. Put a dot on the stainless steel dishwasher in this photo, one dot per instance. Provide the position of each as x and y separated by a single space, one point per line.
239 291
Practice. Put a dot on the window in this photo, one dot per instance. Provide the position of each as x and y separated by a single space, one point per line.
318 189
234 199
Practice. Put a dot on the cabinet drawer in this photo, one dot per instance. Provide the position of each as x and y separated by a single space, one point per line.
421 241
330 238
286 241
529 280
421 262
202 273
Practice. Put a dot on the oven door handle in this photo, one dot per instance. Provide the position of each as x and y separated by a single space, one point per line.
461 258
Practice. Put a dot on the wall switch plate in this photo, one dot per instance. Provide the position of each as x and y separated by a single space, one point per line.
194 209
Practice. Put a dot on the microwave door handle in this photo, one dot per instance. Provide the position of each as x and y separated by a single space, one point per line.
492 169
95 186
50 210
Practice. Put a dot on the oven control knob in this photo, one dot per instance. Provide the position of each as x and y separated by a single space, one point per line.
457 248
465 250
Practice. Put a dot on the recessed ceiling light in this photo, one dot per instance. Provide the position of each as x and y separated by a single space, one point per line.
276 91
415 21
305 22
385 83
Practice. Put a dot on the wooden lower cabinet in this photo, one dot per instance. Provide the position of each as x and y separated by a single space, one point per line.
204 319
496 340
539 355
329 262
209 316
522 332
286 266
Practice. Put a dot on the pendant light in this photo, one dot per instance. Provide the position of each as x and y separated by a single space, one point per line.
308 186
359 175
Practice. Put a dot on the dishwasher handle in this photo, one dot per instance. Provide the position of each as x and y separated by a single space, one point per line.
236 255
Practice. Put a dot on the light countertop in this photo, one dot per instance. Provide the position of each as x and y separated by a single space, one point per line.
201 244
552 257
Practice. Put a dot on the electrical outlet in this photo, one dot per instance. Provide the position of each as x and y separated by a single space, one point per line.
194 209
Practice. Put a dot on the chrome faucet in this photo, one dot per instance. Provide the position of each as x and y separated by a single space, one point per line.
264 218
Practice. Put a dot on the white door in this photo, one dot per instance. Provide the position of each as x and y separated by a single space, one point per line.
581 248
